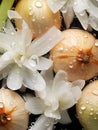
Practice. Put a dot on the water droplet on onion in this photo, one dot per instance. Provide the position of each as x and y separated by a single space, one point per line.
38 4
83 107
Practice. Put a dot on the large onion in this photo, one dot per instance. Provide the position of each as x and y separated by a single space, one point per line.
38 16
76 54
87 107
12 111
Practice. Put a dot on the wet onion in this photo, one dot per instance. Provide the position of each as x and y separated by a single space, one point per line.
38 16
77 54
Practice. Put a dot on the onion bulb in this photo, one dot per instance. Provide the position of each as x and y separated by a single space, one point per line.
13 115
77 54
87 107
38 16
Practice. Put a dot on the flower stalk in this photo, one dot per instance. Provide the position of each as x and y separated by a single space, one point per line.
4 7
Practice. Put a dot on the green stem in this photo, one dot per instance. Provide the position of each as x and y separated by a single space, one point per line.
4 7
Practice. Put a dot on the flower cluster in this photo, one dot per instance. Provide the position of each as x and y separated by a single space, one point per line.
21 57
23 62
85 11
53 102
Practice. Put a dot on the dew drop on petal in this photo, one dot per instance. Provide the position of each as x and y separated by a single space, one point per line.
75 3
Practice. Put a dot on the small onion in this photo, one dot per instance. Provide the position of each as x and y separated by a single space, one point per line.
38 16
77 54
13 115
87 107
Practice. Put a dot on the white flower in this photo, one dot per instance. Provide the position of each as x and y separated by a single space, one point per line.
43 123
21 57
85 11
58 96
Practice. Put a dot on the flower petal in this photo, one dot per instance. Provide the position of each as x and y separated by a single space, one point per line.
4 73
67 101
45 43
76 92
56 5
5 60
60 76
68 13
83 18
79 83
93 22
14 80
43 123
33 80
13 14
35 105
44 63
52 114
65 119
65 96
9 29
48 76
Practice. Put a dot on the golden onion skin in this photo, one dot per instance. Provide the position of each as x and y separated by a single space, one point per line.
87 107
77 54
13 115
38 16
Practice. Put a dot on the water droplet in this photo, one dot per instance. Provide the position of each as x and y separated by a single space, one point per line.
43 17
87 102
96 43
80 112
12 33
1 105
92 109
33 20
95 118
96 113
8 118
83 107
30 8
75 3
70 66
13 45
38 4
95 92
30 12
91 113
85 36
61 48
82 13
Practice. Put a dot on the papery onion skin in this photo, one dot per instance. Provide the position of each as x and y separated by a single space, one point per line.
87 107
12 108
38 16
77 54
